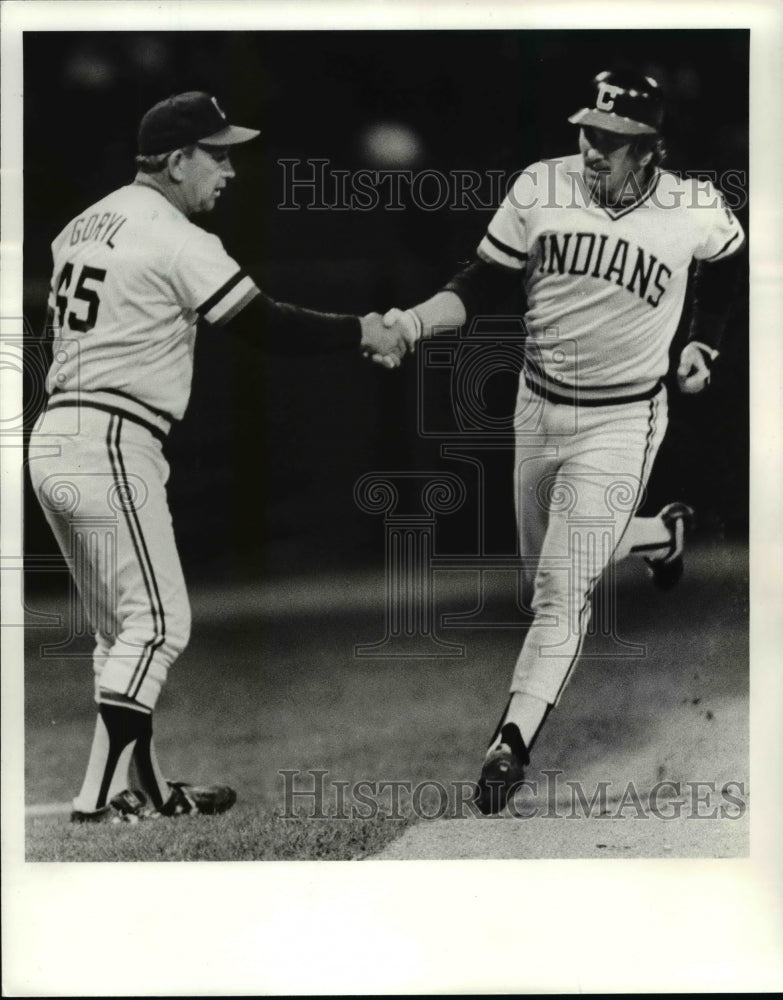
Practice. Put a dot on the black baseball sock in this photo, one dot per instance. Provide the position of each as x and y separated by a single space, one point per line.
117 728
145 760
528 712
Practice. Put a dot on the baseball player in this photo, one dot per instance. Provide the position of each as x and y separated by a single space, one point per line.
602 242
132 277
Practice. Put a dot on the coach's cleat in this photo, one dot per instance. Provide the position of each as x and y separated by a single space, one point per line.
125 807
206 800
504 768
667 571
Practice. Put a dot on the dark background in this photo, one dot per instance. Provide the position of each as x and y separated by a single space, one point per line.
265 462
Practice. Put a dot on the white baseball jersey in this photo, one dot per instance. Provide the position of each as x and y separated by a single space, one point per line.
605 288
132 275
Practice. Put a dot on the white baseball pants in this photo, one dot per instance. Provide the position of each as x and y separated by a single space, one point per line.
581 473
100 475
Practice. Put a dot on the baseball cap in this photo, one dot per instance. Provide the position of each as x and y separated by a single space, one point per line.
623 102
186 119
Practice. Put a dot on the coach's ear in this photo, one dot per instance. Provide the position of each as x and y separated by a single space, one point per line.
176 163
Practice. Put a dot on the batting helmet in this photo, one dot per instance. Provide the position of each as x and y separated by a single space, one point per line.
624 102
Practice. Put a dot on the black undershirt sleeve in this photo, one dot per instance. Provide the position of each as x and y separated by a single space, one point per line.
483 287
281 328
714 288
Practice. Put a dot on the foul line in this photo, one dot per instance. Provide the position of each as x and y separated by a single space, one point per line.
47 809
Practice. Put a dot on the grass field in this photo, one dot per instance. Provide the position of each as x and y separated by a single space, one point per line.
270 683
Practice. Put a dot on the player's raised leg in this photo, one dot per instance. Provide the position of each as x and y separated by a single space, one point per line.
660 541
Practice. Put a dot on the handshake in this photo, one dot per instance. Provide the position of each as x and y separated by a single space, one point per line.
387 339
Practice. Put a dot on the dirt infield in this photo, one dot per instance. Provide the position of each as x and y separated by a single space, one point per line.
675 725
701 810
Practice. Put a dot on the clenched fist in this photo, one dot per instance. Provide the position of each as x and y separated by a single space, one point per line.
693 372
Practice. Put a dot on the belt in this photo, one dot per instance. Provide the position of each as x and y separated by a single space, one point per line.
117 403
555 397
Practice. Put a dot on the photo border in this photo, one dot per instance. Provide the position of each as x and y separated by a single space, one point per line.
404 927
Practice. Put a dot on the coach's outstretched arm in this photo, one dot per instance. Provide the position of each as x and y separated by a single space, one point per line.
282 328
479 288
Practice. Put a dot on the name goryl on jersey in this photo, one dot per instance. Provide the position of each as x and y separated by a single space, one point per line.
153 273
583 262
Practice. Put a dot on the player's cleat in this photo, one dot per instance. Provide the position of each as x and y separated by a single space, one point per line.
125 807
504 768
666 572
206 800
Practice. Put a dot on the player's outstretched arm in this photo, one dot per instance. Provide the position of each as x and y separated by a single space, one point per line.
444 309
480 288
